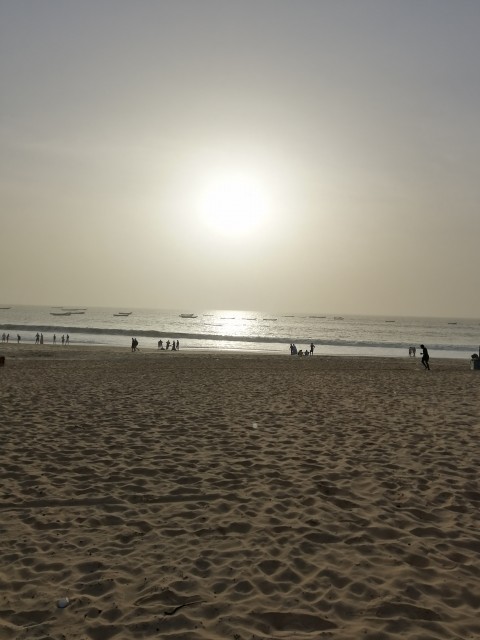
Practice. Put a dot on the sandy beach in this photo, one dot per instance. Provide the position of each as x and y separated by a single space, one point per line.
194 496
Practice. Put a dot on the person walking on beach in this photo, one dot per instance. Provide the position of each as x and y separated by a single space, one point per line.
312 347
425 357
37 338
67 339
18 338
54 339
63 340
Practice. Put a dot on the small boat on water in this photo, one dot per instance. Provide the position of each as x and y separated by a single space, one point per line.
122 314
188 315
271 319
339 318
452 323
4 308
317 317
63 313
389 320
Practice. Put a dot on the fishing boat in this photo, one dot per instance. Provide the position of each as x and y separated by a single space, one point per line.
63 313
188 315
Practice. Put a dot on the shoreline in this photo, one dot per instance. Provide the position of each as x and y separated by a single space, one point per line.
23 350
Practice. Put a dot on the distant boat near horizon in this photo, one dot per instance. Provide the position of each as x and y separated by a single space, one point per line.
188 315
272 319
452 323
4 308
389 320
63 313
339 318
123 314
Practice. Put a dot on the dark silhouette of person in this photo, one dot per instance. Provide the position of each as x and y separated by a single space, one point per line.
178 345
67 339
425 357
312 347
18 338
168 345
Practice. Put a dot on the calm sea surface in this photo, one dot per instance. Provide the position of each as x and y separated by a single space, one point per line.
253 331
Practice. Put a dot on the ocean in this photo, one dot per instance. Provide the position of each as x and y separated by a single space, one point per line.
252 331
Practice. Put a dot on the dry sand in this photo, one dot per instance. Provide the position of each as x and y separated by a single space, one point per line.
137 486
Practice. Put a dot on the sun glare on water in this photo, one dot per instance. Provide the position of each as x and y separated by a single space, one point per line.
234 204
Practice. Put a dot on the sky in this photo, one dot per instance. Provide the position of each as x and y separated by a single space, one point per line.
301 155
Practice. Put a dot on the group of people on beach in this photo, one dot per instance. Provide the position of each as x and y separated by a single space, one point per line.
295 352
175 345
39 339
6 338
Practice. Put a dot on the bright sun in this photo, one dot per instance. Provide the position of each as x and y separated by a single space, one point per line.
234 204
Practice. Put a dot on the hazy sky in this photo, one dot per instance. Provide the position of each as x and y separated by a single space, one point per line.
303 155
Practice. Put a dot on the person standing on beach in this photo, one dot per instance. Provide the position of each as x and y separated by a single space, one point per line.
425 357
312 347
54 339
67 339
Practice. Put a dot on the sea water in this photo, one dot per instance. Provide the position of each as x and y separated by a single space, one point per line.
252 331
